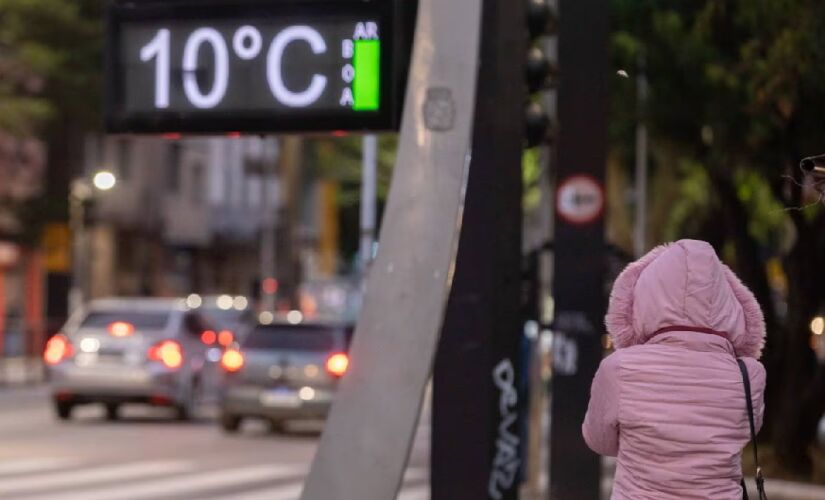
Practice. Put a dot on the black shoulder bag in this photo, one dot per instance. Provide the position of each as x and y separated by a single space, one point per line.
760 479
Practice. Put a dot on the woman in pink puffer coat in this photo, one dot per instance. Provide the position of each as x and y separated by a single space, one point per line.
670 402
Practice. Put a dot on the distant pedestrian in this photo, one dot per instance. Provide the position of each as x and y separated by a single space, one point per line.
670 402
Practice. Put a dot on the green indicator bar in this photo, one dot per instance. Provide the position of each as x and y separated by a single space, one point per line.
366 87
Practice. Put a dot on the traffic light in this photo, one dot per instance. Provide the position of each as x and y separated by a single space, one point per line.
541 71
537 124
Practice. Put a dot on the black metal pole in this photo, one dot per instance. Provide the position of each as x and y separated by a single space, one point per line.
580 252
476 410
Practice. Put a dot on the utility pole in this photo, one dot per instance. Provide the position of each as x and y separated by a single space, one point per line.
268 255
288 252
378 402
368 198
544 266
579 248
79 194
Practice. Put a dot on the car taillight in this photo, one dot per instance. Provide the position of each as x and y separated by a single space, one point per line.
167 352
232 361
208 337
121 329
225 338
337 364
57 349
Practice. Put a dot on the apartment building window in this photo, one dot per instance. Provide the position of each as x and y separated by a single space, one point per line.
173 167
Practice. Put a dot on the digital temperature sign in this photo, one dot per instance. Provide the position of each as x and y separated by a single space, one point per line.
252 66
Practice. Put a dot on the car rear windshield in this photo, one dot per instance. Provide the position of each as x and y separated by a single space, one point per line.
291 338
229 317
154 320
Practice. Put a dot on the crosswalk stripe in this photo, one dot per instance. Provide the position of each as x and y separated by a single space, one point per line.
19 418
289 491
27 466
134 470
189 483
50 473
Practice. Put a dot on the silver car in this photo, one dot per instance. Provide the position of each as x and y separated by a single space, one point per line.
118 351
284 372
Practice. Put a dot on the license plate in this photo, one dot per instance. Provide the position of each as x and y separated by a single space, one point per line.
280 398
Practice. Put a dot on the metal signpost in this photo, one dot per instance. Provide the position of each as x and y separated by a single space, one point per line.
579 248
367 439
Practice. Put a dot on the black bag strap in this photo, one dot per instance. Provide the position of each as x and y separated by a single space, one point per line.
760 479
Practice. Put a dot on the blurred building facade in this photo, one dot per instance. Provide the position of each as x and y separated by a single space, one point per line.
185 215
22 170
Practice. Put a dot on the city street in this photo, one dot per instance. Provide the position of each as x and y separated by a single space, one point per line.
412 249
144 455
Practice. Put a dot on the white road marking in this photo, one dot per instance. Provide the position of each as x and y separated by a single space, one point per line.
18 418
30 465
290 491
185 485
134 470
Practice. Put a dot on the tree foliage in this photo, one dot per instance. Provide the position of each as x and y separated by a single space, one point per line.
50 62
339 158
737 89
50 81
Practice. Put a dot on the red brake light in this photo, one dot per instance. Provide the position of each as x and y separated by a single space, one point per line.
232 360
57 349
225 338
121 329
167 352
208 337
270 286
337 364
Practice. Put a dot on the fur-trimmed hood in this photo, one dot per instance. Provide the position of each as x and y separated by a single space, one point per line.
684 284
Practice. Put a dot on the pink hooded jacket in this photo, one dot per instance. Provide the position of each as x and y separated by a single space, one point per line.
670 403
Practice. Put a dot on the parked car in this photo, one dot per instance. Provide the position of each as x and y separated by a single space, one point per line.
136 350
283 372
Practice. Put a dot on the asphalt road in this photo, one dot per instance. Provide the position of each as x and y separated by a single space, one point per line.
145 455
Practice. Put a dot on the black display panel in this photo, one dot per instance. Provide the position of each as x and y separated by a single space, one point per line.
252 66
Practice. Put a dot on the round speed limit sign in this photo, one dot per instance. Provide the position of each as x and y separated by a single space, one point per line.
580 199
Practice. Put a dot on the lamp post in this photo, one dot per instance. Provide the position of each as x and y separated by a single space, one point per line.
81 193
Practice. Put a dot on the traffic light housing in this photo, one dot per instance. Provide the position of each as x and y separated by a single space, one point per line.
541 18
540 71
537 125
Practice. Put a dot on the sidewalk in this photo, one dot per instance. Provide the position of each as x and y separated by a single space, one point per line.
776 489
16 371
787 490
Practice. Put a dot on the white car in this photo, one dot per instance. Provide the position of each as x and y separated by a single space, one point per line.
135 350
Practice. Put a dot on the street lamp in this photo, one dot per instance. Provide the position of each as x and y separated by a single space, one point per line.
104 180
81 193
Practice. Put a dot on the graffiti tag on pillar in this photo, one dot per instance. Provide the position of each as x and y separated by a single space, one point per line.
506 462
565 355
